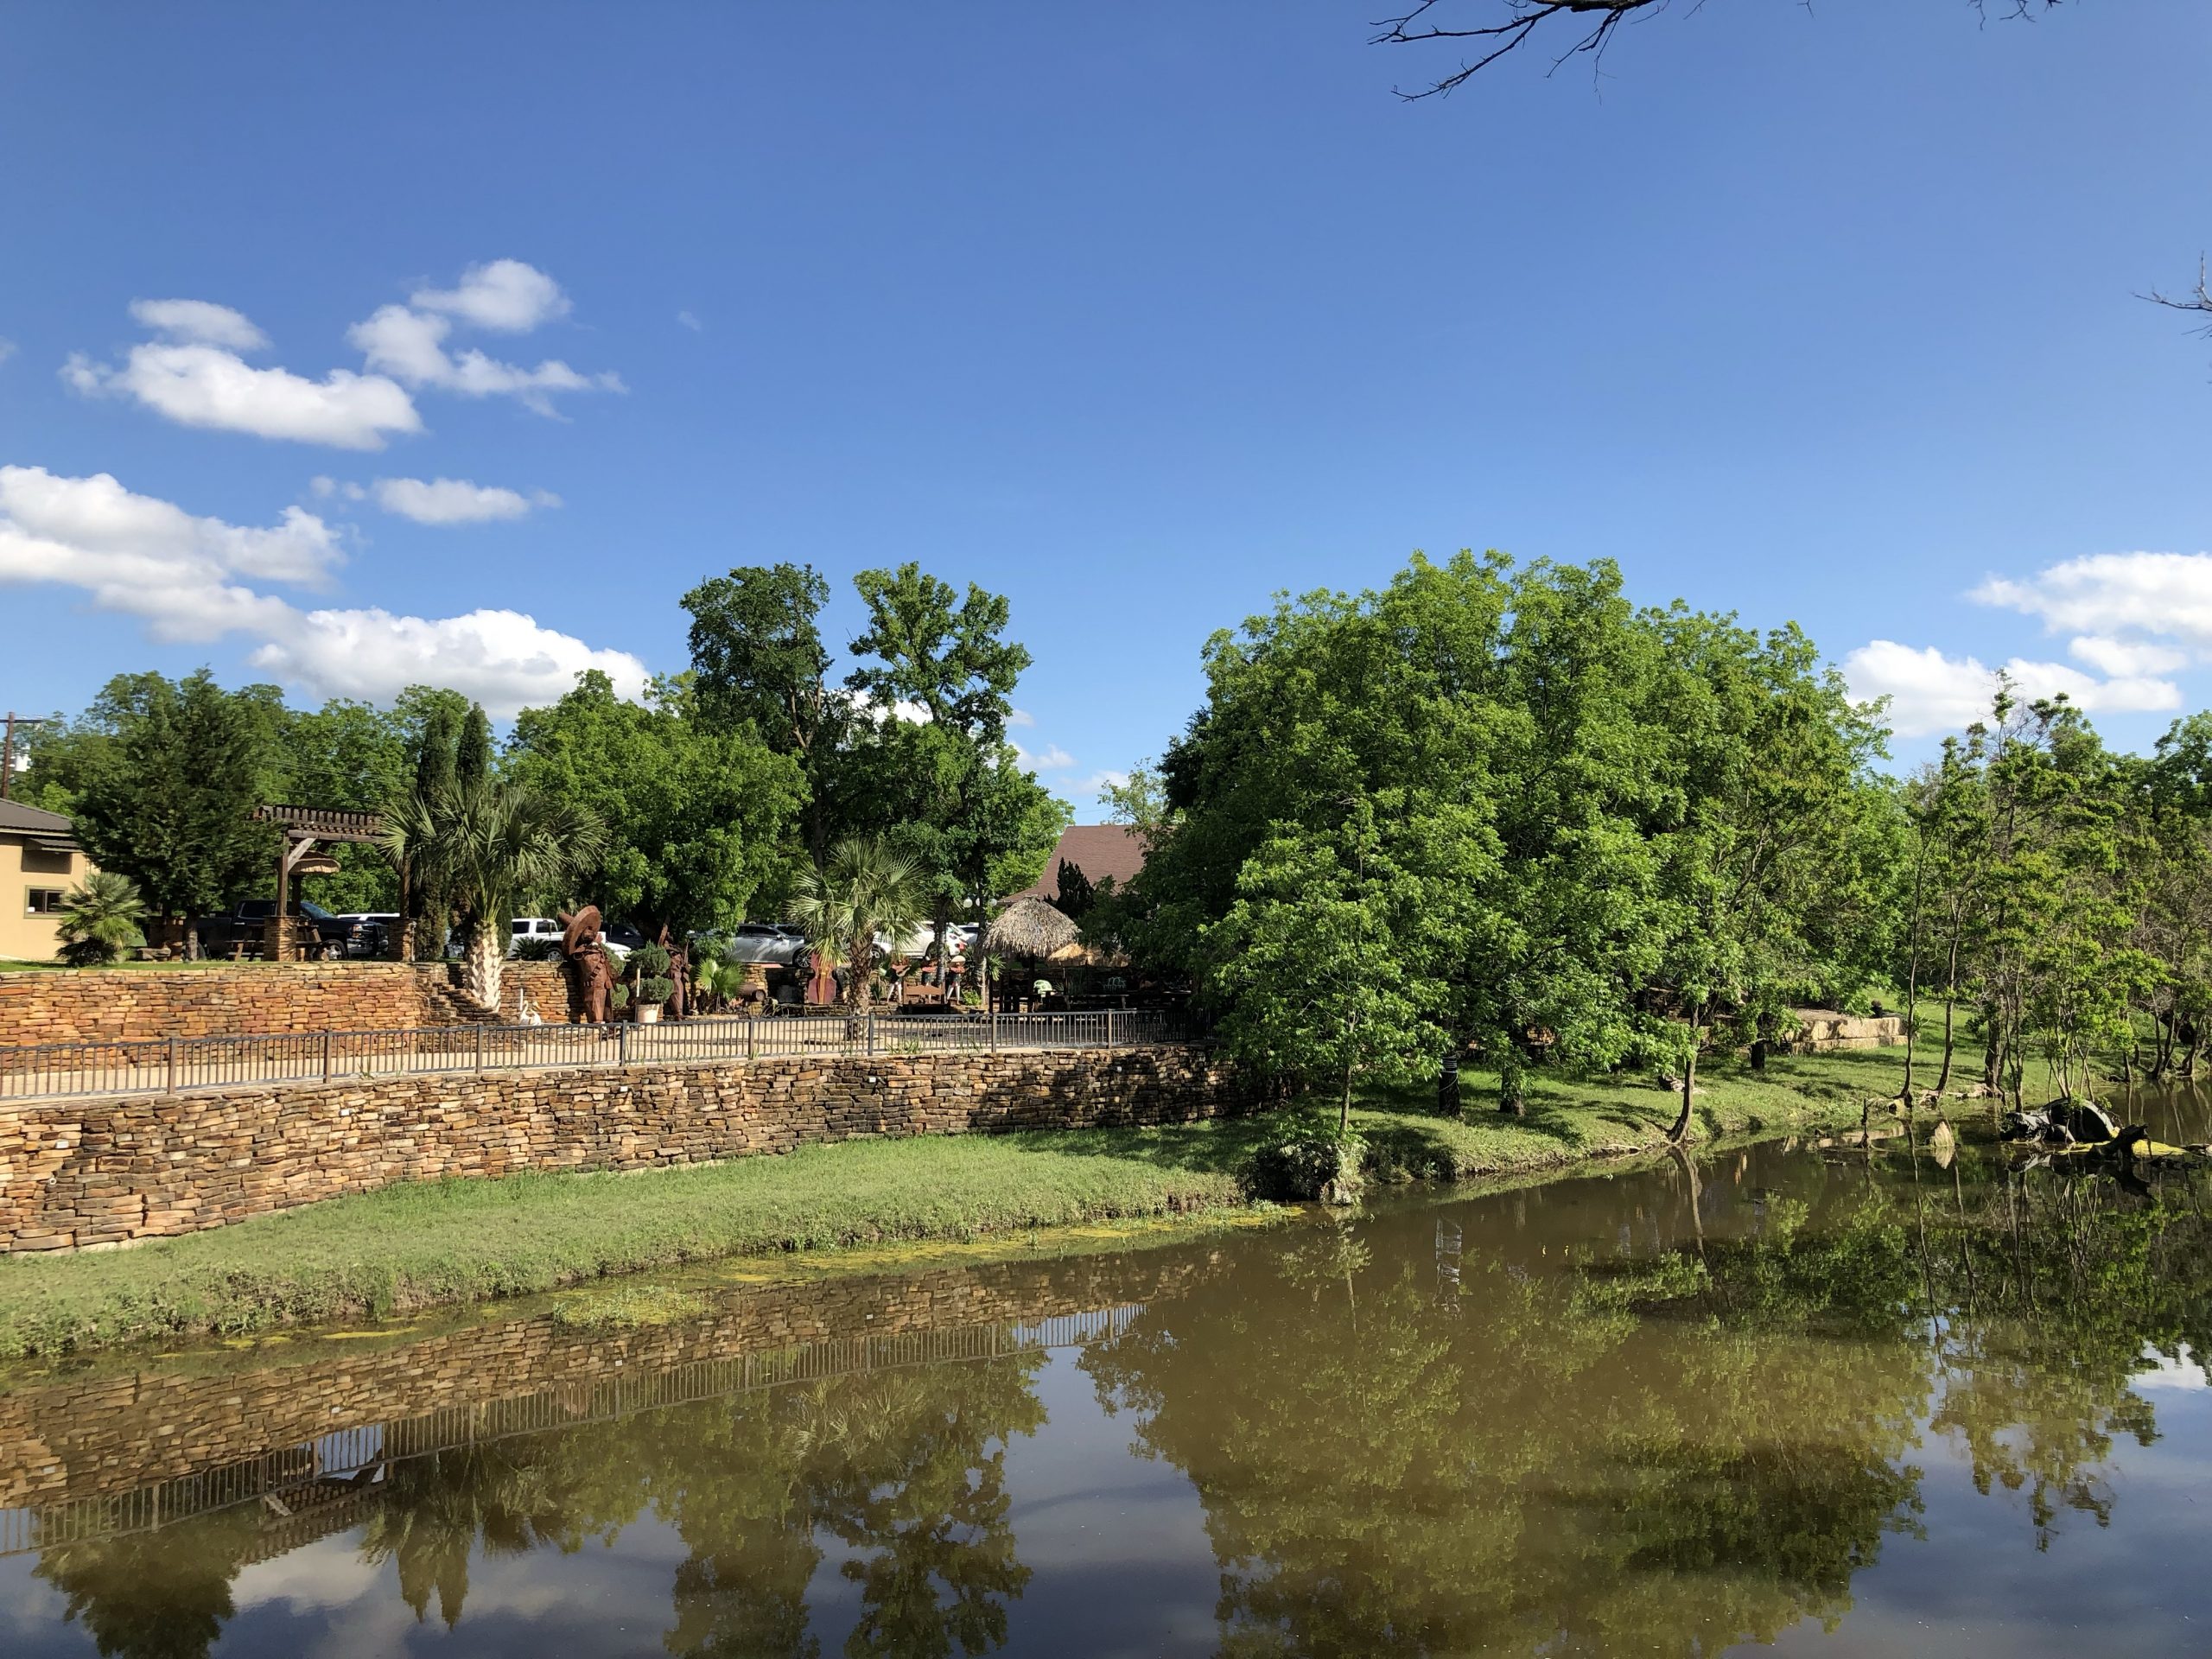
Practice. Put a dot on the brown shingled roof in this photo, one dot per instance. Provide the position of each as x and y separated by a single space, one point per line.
48 830
1097 849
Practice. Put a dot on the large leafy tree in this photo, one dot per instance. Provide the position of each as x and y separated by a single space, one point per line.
699 815
757 661
164 786
1312 961
935 689
1596 816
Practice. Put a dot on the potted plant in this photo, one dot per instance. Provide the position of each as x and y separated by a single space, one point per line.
651 987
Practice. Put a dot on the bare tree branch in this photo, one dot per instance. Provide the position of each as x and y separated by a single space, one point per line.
2199 301
1499 27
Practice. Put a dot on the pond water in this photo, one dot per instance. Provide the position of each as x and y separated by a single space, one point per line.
1847 1405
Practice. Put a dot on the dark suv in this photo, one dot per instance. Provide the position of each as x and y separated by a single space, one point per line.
246 923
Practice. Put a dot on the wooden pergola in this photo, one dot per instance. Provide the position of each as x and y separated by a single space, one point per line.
306 829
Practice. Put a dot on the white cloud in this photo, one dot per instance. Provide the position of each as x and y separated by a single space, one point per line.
1930 692
1098 783
506 295
200 322
1020 717
195 377
690 321
408 342
455 500
7 349
2125 658
185 577
2167 595
327 488
502 659
1053 758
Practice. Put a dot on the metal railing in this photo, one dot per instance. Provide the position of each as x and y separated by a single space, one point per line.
186 1063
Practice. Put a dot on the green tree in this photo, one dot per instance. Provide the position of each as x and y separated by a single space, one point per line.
865 890
485 843
350 755
951 659
758 660
699 819
99 919
1312 965
166 798
423 910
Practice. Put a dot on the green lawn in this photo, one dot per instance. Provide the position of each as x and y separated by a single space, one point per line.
420 1246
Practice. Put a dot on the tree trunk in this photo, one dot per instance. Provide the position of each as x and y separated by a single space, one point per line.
1950 1010
481 965
1680 1131
1759 1054
860 964
400 947
1344 1109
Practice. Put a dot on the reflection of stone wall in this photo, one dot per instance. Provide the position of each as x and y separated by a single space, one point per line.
1822 1029
73 1438
107 1169
120 1005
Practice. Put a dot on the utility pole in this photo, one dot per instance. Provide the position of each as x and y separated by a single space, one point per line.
8 751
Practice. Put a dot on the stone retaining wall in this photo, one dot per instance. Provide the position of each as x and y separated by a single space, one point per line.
74 1438
125 1005
105 1170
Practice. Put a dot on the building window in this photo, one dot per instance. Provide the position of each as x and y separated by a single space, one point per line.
43 901
39 862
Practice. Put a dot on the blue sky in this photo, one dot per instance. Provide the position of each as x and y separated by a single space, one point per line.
1135 313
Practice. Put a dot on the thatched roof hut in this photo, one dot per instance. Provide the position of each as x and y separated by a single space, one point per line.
1031 929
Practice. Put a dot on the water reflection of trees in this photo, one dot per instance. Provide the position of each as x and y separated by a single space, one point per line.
1406 1440
1663 1455
906 1470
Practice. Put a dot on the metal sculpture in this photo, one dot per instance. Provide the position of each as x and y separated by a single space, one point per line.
590 972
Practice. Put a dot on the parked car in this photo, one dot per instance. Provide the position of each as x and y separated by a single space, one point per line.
526 928
247 924
620 938
763 942
372 931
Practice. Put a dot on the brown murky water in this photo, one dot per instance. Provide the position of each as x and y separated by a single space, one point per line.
1847 1405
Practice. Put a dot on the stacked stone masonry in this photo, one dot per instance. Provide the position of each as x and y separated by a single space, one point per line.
131 1005
107 1171
82 1437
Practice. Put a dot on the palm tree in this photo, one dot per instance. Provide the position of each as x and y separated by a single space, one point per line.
99 920
863 889
485 842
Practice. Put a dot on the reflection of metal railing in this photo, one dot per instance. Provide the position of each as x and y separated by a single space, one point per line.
321 1468
179 1063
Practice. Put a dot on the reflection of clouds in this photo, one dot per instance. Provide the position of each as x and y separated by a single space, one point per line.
2187 1372
28 1607
328 1572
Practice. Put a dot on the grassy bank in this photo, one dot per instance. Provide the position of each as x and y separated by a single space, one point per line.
422 1246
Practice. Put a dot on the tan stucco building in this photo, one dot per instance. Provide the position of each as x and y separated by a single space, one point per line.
40 860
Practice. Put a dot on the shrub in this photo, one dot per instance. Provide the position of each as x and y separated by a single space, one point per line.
1310 1158
99 920
650 961
653 991
538 950
618 999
